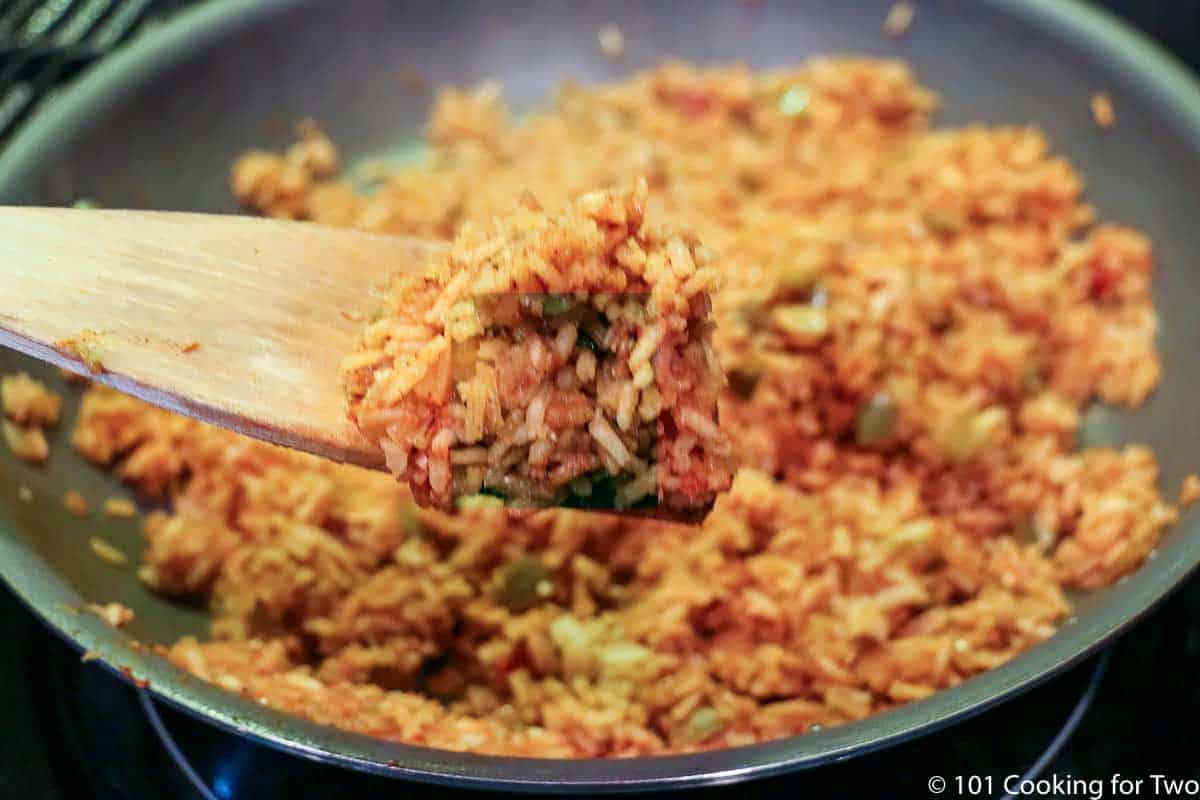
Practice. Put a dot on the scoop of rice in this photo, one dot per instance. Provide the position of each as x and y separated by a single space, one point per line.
548 348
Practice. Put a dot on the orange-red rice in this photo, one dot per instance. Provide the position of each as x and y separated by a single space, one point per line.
914 319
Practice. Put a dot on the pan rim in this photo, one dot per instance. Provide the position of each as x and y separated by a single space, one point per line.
1171 91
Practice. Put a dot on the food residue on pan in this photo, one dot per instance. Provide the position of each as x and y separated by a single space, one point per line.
611 41
29 407
283 180
74 502
1189 493
1103 111
899 19
107 552
27 444
140 683
121 507
412 80
25 494
27 401
115 614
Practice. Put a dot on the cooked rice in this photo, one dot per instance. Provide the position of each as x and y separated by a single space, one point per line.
479 357
75 503
120 507
27 444
29 407
912 509
107 552
1102 110
28 402
611 41
899 19
1189 493
115 614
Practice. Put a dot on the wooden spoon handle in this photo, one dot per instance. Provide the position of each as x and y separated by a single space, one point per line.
234 320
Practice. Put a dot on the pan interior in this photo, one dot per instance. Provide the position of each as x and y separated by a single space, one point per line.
159 126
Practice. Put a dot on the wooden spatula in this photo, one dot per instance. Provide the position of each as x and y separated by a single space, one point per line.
237 321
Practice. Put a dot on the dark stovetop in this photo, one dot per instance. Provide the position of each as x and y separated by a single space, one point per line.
70 730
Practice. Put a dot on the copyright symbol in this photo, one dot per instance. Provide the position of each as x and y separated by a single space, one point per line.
937 784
